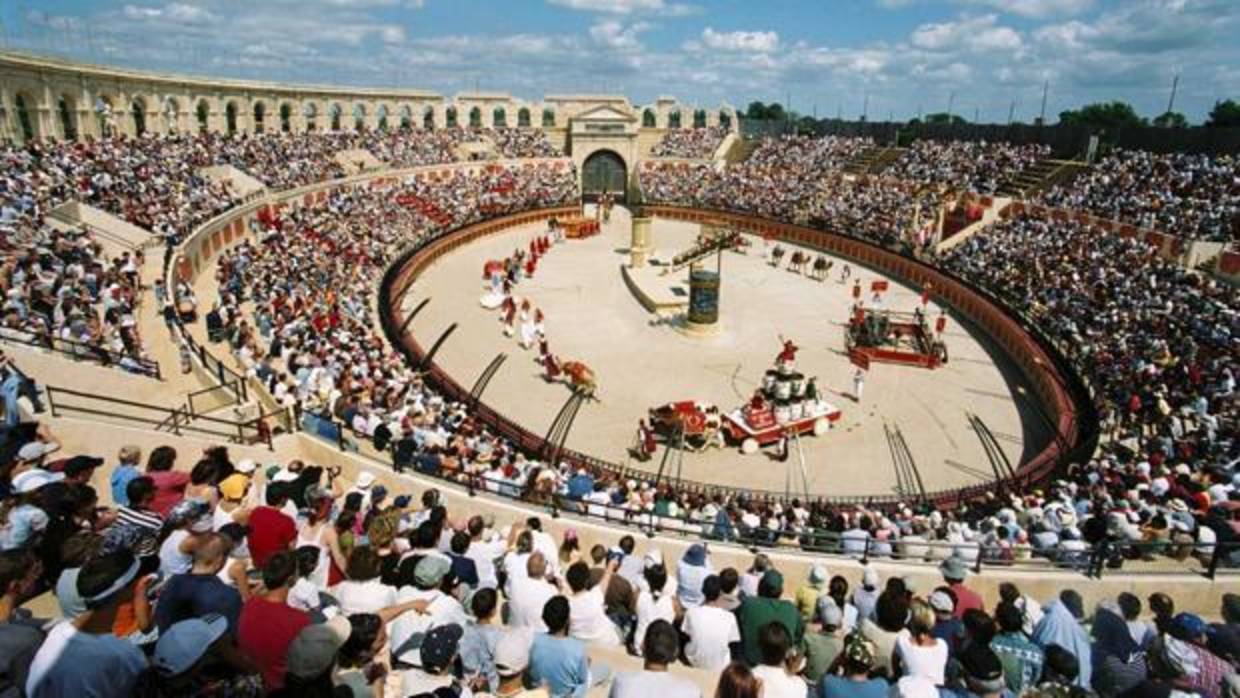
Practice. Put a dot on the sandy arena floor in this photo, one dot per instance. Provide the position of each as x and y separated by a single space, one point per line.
640 363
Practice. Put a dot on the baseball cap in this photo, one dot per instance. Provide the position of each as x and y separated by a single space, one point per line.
869 577
431 570
32 480
1187 625
941 602
182 645
512 652
439 647
233 486
246 466
773 580
314 649
365 480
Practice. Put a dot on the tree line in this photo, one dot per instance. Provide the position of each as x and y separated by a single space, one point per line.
1100 115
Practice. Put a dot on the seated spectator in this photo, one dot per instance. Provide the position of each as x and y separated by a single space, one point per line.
766 607
558 661
438 654
588 608
983 675
854 680
917 651
711 629
268 625
81 656
200 591
1021 659
481 637
194 657
824 640
661 648
530 594
512 657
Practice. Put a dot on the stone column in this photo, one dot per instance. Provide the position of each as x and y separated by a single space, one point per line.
639 247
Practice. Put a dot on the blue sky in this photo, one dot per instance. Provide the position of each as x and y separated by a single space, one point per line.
901 56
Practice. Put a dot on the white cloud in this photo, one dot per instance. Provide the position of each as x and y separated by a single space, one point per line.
615 34
756 41
981 33
1037 9
625 7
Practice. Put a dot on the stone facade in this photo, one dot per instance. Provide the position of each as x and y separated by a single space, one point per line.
48 98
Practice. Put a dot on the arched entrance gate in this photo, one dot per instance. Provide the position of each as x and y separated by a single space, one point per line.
604 171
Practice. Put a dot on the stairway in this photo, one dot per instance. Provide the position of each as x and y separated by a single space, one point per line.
1045 174
742 150
873 160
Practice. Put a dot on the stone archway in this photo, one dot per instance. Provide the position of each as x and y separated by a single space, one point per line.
604 171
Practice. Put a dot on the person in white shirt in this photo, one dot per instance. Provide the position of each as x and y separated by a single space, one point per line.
441 608
363 592
918 653
484 551
657 601
654 681
749 580
530 594
778 681
588 619
711 629
545 544
516 560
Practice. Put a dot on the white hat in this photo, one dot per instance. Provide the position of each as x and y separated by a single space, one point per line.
246 466
34 450
365 480
32 480
941 602
869 577
285 475
653 557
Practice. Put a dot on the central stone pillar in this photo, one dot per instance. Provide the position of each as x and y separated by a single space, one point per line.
703 316
639 246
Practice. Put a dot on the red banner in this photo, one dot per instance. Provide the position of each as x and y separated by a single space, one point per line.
878 286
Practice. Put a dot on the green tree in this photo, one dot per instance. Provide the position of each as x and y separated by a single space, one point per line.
942 117
1109 115
1171 119
756 111
1224 114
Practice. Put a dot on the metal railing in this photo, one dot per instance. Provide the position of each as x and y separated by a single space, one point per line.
177 420
90 353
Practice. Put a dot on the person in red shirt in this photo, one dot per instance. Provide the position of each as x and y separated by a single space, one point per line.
954 572
169 484
268 624
271 530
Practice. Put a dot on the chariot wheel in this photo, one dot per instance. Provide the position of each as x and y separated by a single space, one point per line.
822 425
749 446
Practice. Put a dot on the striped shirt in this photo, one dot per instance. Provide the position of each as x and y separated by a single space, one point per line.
135 530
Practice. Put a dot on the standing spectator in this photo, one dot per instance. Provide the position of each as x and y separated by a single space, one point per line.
662 646
1021 659
711 629
558 661
825 642
268 625
954 573
81 656
854 680
767 607
126 470
271 530
169 484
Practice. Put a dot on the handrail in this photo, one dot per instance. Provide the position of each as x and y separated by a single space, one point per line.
176 418
89 352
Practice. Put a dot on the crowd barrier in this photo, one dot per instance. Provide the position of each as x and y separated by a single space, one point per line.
88 352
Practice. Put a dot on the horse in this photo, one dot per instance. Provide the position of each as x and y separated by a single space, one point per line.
580 378
822 268
796 265
777 254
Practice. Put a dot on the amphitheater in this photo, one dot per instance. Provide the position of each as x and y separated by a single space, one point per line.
453 183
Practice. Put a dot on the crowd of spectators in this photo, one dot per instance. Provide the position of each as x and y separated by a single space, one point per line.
236 579
689 143
977 166
1189 196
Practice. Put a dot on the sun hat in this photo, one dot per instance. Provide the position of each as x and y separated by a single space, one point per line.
953 568
181 646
